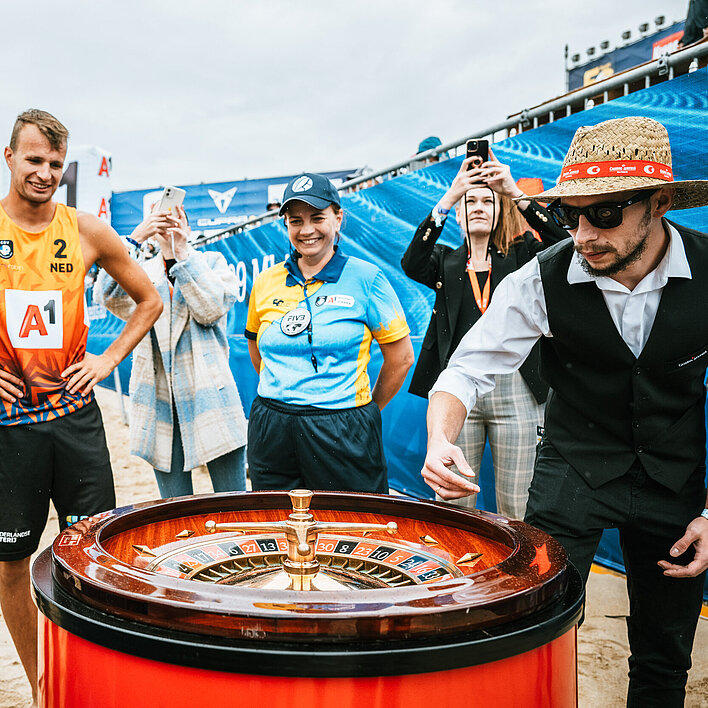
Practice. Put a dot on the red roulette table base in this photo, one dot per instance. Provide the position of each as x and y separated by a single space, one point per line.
190 602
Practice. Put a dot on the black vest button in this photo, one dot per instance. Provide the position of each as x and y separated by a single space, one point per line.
637 371
635 423
640 448
438 285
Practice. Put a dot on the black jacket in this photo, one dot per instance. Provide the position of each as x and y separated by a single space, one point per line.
443 269
609 408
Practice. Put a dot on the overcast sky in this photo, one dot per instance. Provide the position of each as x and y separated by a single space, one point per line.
183 92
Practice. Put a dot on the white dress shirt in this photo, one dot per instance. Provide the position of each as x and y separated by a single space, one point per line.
502 338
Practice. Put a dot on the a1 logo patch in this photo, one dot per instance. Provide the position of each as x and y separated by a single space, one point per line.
34 319
7 248
335 300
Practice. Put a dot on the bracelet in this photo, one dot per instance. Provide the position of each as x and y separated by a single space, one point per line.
133 242
439 215
704 513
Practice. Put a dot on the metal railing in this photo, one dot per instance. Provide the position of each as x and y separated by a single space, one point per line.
662 69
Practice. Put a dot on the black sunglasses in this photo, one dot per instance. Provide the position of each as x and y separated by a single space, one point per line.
606 215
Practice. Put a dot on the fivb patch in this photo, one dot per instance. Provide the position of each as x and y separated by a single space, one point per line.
7 248
295 321
335 300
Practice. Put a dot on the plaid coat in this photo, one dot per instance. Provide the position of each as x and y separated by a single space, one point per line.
184 358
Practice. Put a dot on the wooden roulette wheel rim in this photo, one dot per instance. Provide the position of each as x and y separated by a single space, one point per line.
521 572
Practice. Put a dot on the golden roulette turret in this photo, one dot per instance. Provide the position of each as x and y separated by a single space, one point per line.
302 599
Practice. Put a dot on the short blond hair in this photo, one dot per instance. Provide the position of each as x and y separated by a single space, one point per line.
51 128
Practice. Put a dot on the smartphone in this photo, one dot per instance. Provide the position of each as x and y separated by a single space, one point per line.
478 148
171 197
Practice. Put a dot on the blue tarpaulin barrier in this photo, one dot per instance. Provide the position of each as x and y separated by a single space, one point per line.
380 221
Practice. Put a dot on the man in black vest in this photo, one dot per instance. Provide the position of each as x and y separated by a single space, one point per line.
621 313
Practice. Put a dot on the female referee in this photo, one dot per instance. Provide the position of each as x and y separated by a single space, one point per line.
316 422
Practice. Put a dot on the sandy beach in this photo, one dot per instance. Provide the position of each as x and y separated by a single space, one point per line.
602 643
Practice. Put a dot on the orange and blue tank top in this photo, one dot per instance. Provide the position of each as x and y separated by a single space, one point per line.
43 318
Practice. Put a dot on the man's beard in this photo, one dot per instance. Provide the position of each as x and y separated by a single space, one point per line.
625 261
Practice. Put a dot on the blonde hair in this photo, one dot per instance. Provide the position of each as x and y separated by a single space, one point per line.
48 126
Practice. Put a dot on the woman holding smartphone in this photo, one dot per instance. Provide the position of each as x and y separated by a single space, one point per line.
316 421
185 409
496 240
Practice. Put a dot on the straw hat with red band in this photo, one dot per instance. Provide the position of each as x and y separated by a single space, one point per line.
622 155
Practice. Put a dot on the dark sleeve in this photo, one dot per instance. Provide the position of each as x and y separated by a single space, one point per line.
696 21
421 261
540 220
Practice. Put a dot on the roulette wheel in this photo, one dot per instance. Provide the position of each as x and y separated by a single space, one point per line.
325 599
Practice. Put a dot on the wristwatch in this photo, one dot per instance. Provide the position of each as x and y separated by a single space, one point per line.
704 513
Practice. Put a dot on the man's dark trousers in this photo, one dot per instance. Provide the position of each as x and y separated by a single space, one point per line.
651 518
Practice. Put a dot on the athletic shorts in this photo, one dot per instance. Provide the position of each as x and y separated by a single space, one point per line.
296 447
65 460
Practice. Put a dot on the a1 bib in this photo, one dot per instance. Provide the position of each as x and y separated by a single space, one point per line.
34 319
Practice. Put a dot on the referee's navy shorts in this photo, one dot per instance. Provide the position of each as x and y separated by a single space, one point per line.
295 447
66 460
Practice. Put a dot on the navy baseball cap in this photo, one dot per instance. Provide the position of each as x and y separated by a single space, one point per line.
313 189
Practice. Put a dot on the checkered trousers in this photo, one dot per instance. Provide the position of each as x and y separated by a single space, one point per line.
508 416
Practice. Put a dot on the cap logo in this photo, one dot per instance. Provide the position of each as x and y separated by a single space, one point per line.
302 184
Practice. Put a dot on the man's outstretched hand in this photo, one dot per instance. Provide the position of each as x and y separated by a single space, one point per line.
438 475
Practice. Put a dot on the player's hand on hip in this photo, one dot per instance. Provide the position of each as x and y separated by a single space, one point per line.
438 475
697 536
11 388
85 374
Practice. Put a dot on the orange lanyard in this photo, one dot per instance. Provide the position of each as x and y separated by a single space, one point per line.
481 297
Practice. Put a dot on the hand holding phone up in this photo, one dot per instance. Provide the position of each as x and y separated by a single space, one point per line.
153 225
478 150
174 242
497 176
